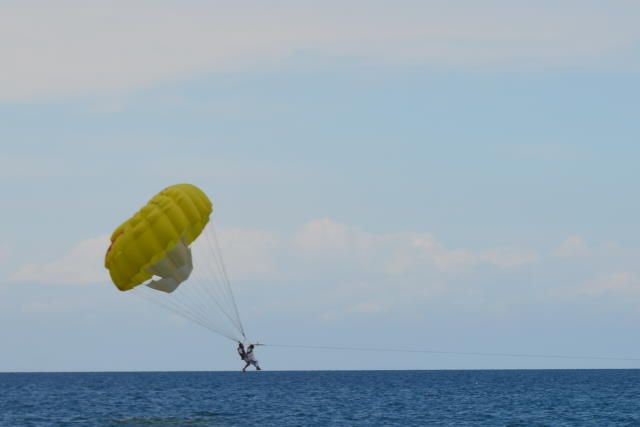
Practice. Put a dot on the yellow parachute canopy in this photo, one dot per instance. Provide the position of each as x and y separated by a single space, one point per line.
154 241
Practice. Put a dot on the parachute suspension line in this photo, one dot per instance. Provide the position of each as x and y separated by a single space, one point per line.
207 296
181 303
225 275
175 302
149 295
189 298
198 295
459 353
202 299
192 295
220 289
187 316
216 291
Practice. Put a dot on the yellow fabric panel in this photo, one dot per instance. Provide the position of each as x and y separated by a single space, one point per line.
177 212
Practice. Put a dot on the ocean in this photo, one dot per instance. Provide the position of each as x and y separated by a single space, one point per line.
332 398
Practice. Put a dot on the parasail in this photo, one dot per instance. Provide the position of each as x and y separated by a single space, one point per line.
168 253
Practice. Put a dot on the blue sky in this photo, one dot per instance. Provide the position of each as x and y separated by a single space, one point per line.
415 175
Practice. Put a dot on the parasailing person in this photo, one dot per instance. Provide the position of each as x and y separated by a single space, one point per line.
241 351
250 359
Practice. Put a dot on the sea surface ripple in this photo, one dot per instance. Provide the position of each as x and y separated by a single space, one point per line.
336 398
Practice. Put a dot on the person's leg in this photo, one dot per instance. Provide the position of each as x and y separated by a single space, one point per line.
245 367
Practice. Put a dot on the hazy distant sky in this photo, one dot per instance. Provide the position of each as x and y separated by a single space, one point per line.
456 176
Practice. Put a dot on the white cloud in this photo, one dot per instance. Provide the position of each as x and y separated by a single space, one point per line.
247 253
336 270
326 238
73 47
83 264
399 253
509 257
457 260
324 244
572 246
623 283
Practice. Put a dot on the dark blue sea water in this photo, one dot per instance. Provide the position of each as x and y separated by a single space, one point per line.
363 398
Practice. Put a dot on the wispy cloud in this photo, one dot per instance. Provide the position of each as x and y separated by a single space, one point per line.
400 252
572 246
74 48
622 283
340 270
323 244
247 253
81 265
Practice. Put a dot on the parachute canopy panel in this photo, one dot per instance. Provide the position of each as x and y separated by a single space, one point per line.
171 220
